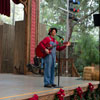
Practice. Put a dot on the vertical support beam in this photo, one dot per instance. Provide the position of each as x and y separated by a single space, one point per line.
67 35
67 21
28 32
27 5
37 21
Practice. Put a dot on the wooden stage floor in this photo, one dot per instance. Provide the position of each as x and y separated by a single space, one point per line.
18 87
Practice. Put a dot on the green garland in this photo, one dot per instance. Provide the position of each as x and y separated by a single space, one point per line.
56 98
78 94
93 95
97 93
90 94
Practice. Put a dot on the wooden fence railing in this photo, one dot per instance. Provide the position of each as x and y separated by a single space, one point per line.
68 65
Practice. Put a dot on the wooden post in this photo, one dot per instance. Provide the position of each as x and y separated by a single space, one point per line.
37 21
27 35
27 9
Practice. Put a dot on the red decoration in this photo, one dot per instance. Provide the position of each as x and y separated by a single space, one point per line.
61 94
91 87
79 91
35 97
5 7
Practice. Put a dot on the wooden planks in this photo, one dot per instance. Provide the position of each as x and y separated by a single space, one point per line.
19 55
7 50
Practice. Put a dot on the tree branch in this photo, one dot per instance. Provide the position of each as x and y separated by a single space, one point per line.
80 20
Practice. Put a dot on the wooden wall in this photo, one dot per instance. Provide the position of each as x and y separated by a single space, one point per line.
12 47
7 35
19 56
15 43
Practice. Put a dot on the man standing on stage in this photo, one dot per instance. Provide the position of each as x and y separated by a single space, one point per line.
50 59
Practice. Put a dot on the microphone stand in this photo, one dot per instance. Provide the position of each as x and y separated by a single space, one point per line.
59 71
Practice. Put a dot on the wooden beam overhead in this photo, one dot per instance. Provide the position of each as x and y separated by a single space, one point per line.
25 3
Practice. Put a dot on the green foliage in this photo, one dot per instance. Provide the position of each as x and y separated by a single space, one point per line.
87 50
51 16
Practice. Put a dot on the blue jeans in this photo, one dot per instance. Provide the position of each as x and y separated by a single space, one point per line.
49 71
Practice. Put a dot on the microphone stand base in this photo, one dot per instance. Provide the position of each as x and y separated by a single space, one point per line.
58 87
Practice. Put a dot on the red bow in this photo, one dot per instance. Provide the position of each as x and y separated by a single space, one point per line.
35 97
91 87
61 94
79 91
